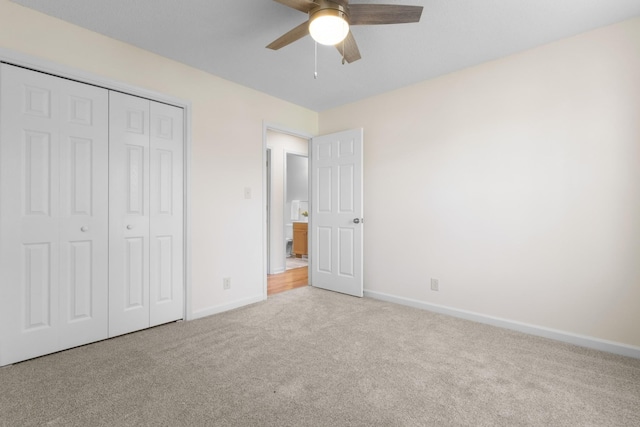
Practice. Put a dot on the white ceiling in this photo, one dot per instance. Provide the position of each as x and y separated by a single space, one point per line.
228 38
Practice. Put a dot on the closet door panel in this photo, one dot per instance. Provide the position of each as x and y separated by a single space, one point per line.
29 204
166 204
91 213
84 220
54 226
128 213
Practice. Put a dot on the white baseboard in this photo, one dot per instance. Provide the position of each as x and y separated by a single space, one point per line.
567 337
225 307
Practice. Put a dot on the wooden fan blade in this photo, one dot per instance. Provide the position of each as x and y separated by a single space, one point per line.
296 34
377 14
301 5
351 51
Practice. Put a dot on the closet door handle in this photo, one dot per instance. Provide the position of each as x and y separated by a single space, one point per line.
129 227
84 229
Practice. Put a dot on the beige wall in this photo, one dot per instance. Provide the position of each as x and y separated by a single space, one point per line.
515 183
226 141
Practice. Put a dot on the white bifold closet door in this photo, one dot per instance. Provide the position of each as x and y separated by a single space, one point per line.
145 213
53 214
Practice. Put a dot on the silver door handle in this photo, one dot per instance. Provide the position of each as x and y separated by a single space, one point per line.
84 229
356 220
129 227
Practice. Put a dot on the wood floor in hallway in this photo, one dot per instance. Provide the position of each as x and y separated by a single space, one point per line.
288 280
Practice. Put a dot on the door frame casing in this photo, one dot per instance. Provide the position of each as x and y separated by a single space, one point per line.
267 203
268 126
50 67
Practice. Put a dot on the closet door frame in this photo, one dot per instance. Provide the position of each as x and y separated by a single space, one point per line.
42 65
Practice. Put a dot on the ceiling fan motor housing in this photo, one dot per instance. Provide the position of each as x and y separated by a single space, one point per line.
328 8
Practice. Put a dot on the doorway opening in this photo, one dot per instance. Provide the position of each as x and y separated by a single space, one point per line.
287 209
296 210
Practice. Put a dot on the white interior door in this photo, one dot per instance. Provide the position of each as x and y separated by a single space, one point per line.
166 229
53 217
336 219
128 213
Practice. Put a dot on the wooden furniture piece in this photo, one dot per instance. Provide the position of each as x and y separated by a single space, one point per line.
300 239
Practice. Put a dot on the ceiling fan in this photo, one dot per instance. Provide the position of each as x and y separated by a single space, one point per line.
329 22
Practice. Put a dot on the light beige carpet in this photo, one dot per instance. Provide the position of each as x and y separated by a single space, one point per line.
309 357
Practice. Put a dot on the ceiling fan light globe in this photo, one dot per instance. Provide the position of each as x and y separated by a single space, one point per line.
328 29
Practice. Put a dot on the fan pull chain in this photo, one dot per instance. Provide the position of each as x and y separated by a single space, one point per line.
342 52
315 67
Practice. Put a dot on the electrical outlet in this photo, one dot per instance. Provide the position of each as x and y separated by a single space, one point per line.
435 285
226 283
